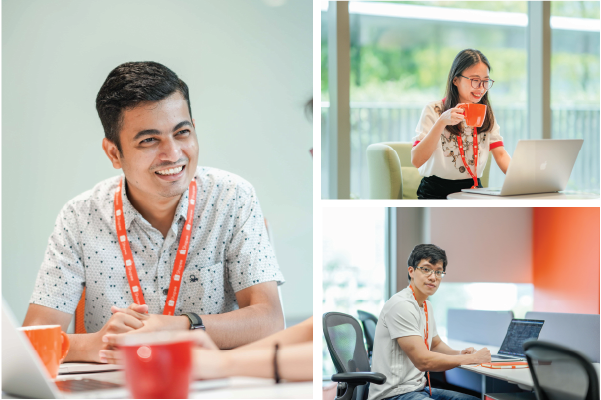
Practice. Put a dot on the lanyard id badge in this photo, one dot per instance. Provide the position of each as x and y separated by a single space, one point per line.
180 258
462 153
426 332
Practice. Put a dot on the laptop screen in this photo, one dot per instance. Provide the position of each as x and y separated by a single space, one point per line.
519 331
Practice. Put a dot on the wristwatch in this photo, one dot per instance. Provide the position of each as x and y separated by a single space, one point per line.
195 321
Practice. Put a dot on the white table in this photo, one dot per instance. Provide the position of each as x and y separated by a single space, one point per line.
520 377
537 196
231 388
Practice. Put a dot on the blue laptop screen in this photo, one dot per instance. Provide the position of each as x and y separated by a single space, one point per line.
519 331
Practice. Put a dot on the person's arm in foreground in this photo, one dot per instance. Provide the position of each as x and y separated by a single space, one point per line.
294 357
426 360
502 158
421 152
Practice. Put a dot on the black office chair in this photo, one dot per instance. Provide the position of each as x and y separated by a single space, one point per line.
369 322
345 342
559 373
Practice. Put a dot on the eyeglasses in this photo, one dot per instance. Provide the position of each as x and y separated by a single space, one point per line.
428 272
487 84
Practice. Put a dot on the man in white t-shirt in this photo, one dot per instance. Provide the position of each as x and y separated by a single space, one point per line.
405 324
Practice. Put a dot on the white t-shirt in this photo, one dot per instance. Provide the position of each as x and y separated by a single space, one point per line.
446 161
400 317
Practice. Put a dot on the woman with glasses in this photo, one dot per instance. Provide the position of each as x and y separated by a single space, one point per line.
436 152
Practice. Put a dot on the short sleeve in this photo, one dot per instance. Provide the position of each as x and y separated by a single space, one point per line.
426 122
402 320
495 137
250 257
61 277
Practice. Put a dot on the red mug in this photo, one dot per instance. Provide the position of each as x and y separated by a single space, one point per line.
157 365
474 114
51 344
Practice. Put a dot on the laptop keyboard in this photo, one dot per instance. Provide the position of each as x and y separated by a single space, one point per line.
500 356
82 385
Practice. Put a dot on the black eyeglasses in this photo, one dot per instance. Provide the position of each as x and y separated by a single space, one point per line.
487 84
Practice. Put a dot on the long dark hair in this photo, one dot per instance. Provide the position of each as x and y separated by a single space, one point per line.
465 59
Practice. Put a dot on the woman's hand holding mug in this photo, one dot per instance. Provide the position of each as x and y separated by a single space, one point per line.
452 116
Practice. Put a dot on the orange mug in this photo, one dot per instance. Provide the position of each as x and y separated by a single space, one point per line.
474 113
51 344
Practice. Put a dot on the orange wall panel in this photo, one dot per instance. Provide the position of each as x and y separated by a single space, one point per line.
566 259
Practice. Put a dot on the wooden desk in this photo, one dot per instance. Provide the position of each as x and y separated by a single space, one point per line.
537 196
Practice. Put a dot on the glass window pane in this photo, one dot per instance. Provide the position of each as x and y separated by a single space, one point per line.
575 85
325 97
353 264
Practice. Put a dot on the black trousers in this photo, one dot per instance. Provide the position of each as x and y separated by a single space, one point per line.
433 187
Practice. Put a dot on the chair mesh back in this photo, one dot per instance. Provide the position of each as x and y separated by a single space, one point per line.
370 332
345 343
560 375
369 322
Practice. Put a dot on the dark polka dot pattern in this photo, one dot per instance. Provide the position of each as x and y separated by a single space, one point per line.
229 251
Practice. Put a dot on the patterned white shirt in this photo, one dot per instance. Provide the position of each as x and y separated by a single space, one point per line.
229 251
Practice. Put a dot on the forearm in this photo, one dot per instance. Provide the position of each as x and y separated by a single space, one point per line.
438 362
246 325
444 348
299 333
502 158
424 149
80 348
295 363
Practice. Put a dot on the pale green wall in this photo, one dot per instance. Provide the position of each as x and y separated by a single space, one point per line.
249 69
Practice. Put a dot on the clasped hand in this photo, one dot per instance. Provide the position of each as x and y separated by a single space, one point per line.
125 321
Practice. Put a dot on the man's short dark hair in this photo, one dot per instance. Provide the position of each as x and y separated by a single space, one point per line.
131 84
429 252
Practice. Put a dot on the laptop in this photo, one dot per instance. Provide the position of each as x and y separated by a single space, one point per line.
24 374
537 166
519 331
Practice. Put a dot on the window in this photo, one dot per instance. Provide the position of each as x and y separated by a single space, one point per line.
354 272
480 296
575 85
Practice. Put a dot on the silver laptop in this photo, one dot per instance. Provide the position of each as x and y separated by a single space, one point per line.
24 374
518 332
537 166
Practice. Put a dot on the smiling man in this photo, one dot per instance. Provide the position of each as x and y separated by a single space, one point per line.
166 246
406 343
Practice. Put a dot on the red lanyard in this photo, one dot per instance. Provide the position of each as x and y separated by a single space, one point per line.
426 331
460 143
180 258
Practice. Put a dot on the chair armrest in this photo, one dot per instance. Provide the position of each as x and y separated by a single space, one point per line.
360 378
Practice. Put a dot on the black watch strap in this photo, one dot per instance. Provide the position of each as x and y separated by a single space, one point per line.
195 321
